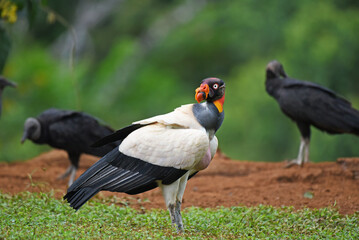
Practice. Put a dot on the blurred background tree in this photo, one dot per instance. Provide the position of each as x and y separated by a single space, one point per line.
127 60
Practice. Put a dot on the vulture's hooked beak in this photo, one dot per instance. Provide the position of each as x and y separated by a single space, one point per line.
11 84
282 73
24 137
202 92
7 83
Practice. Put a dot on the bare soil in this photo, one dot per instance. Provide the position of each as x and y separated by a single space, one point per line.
225 182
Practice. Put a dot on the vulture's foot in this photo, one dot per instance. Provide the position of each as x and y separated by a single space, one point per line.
294 162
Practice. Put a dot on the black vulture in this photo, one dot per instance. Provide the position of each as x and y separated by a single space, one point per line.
163 151
71 131
309 104
4 83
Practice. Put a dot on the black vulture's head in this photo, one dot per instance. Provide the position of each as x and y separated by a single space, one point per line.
275 70
211 89
5 83
32 129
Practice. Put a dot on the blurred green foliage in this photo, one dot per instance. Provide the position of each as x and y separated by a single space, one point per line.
145 58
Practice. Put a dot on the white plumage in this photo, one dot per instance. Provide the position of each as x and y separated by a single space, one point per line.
162 145
171 140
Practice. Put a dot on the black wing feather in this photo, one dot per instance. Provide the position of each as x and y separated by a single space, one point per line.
322 109
118 135
75 131
192 175
142 189
294 83
117 172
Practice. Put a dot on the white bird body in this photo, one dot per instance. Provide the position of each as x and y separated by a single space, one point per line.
181 148
170 140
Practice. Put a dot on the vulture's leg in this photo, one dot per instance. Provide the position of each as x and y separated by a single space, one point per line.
306 150
181 189
71 170
66 173
303 155
300 159
72 175
178 216
169 193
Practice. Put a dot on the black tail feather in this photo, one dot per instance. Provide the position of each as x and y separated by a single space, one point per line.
80 197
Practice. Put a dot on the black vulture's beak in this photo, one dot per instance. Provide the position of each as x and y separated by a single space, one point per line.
7 83
282 73
24 137
12 84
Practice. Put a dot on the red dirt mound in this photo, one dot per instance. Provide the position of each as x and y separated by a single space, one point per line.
224 183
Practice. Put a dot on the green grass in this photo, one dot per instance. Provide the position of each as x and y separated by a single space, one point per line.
40 216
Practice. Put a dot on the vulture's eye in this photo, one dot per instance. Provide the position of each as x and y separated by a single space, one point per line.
215 86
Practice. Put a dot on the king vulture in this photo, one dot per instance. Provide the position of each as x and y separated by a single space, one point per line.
309 104
71 131
4 83
163 151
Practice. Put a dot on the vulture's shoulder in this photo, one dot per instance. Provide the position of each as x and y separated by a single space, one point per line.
181 117
54 115
295 85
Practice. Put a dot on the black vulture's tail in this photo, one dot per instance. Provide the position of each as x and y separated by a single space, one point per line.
336 117
350 118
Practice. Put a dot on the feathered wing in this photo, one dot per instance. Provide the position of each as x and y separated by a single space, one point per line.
118 136
155 152
163 146
291 83
52 115
181 117
117 172
323 109
76 131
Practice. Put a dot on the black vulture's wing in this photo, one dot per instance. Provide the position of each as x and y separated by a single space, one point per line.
296 84
318 106
52 115
75 132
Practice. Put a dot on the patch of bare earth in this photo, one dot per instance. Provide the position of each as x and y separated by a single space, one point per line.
225 183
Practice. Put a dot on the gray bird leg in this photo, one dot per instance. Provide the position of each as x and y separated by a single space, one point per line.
181 189
306 150
74 159
179 221
172 211
170 193
71 170
303 154
72 176
66 173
